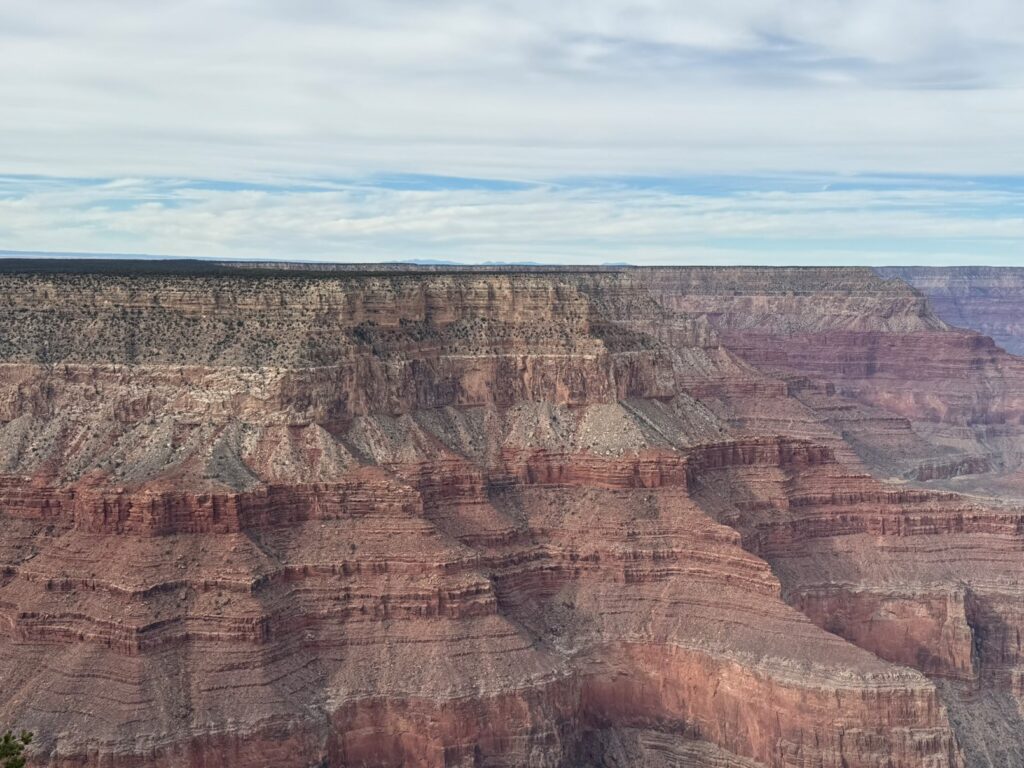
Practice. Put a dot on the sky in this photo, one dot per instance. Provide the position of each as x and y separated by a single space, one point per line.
727 131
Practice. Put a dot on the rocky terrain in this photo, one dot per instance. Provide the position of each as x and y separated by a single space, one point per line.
713 518
985 299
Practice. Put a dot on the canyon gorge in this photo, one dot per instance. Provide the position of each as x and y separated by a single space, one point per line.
704 517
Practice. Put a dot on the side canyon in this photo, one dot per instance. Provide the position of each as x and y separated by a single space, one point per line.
383 516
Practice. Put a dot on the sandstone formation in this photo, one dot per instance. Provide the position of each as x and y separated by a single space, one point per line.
985 299
913 396
379 517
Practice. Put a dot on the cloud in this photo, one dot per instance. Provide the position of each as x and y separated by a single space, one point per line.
527 89
582 130
787 219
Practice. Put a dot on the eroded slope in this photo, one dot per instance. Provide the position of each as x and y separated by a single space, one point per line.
479 519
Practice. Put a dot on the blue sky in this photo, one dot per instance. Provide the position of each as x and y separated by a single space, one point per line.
819 131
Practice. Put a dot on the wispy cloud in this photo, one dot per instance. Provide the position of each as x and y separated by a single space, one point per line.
583 129
509 89
799 219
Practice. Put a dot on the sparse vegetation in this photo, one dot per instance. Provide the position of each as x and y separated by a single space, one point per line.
12 749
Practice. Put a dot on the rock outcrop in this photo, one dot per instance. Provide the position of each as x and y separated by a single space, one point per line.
522 517
914 397
983 299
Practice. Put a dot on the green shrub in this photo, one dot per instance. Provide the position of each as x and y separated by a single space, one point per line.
11 749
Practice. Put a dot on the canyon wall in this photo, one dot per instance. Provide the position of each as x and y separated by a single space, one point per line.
983 299
504 517
915 397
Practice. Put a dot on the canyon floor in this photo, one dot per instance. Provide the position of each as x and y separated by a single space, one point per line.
274 515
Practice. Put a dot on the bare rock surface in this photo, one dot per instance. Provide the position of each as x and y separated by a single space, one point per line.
983 299
680 517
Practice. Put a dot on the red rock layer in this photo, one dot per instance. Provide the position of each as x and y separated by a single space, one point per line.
984 299
494 519
618 603
869 349
919 578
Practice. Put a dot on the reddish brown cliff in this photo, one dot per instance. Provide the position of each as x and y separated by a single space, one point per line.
862 350
983 299
546 518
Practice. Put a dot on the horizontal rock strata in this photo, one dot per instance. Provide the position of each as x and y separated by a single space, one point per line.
546 518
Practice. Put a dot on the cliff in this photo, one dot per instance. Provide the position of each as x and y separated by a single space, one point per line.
522 517
983 299
911 395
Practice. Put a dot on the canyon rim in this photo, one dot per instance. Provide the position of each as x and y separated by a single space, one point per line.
454 384
273 514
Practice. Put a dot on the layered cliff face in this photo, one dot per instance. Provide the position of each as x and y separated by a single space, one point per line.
913 396
499 518
984 299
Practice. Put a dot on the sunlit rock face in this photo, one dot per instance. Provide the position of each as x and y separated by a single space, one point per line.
680 517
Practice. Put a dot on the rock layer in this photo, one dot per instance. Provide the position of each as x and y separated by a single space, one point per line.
547 518
984 299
